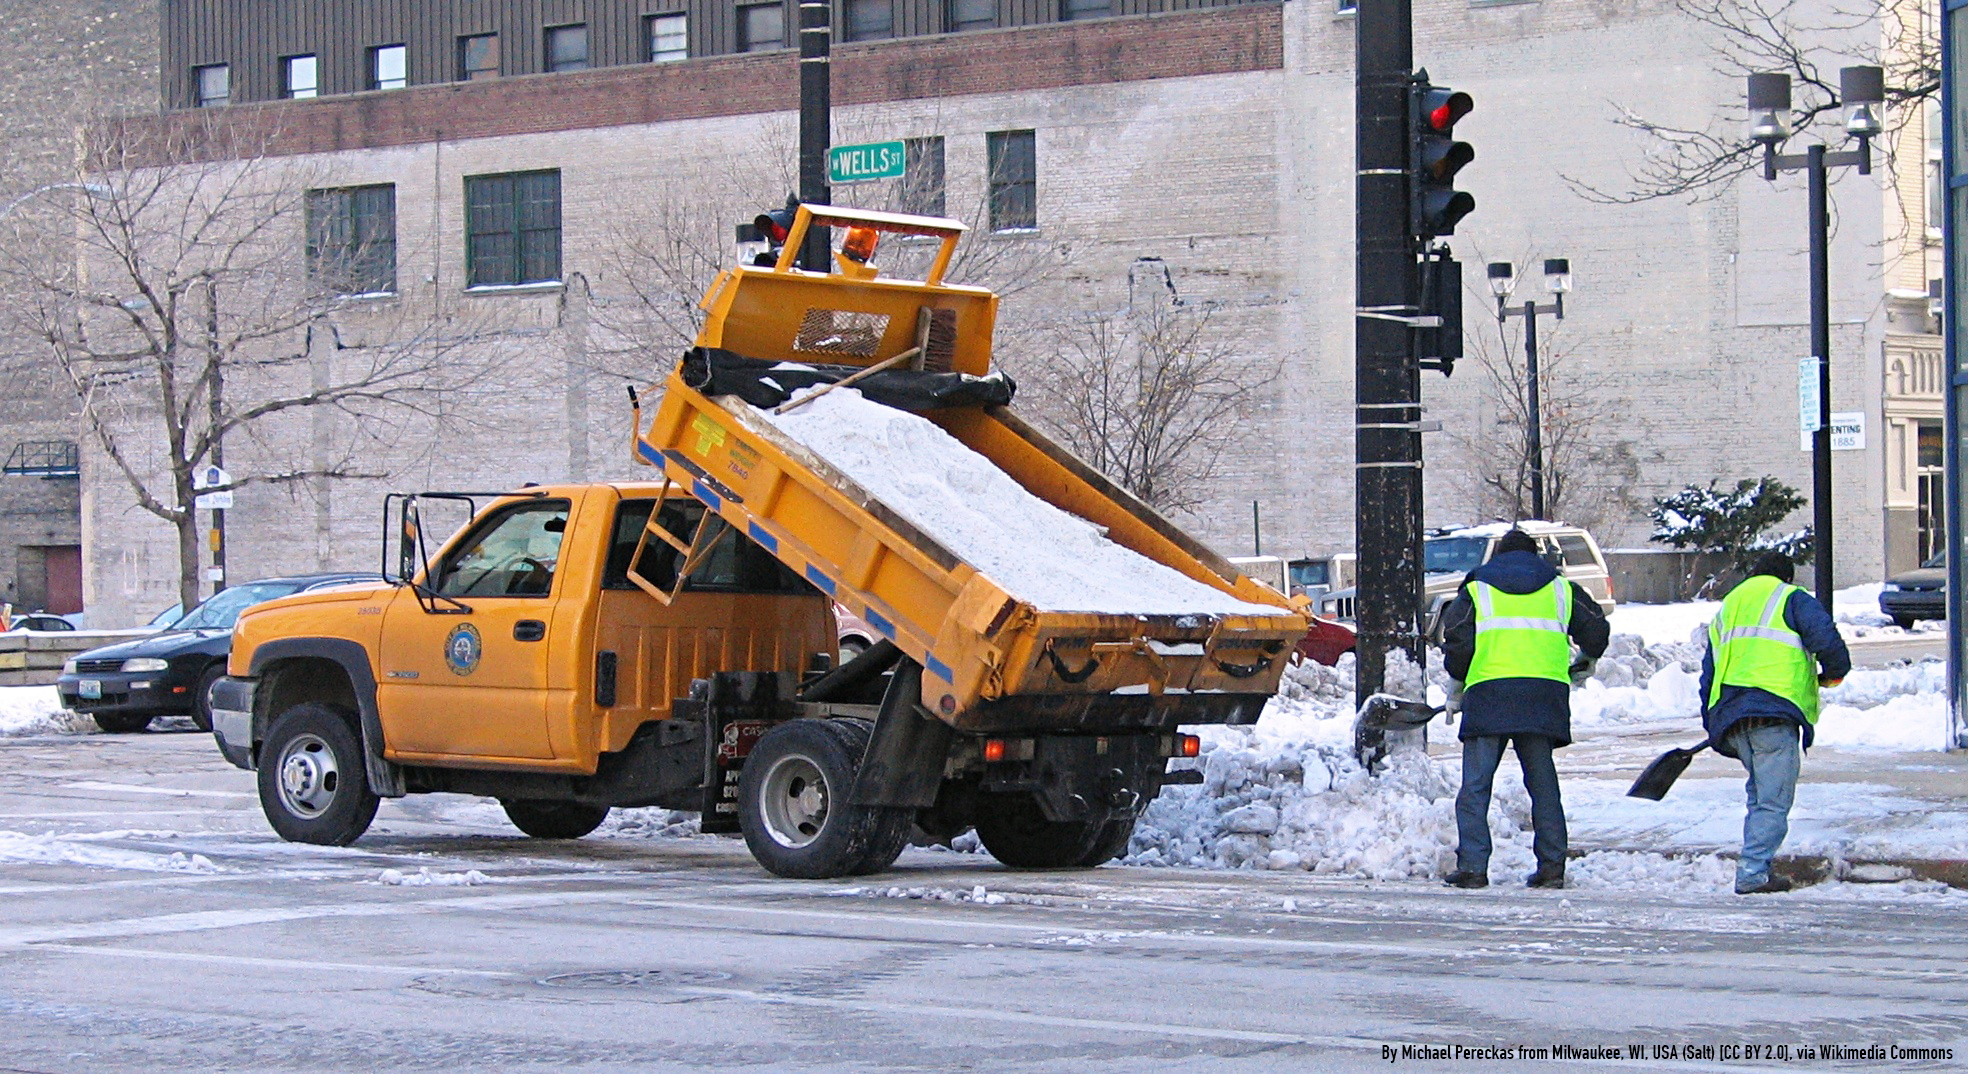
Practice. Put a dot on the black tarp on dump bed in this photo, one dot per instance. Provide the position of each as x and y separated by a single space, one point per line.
715 371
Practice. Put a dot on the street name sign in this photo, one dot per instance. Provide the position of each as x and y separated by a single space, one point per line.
865 163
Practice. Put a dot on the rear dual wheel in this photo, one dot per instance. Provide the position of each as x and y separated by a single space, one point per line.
793 804
1017 833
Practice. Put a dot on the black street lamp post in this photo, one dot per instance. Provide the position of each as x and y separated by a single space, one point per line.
1557 280
1862 90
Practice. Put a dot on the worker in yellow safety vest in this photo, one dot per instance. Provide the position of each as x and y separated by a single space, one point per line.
1507 639
1769 649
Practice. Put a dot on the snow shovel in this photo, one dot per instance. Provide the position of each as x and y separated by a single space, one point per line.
1384 713
1660 775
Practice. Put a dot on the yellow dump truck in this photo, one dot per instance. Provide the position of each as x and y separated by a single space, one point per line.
832 437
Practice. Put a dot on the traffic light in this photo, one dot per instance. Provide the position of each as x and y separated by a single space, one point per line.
1439 346
1435 157
770 228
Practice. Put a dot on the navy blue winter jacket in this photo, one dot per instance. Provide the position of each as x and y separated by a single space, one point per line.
1804 614
1517 706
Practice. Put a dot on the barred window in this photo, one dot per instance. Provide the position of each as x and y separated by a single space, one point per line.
512 224
351 239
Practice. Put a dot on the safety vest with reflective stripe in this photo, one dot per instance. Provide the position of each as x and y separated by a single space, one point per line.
1521 636
1753 646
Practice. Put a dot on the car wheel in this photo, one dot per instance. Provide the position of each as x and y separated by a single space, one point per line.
793 804
553 820
121 723
201 697
312 785
1904 622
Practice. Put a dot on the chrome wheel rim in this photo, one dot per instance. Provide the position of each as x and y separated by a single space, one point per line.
793 801
309 776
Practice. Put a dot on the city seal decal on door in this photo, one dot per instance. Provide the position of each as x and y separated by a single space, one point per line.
462 649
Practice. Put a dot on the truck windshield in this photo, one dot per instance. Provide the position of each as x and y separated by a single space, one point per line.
1453 554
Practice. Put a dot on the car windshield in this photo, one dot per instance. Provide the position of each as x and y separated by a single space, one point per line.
1453 554
222 610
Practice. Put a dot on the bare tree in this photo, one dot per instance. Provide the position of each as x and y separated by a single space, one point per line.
1150 395
182 294
1586 468
1786 36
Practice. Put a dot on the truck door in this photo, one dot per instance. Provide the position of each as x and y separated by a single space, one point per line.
474 685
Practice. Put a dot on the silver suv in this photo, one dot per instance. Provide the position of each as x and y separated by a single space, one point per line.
1449 554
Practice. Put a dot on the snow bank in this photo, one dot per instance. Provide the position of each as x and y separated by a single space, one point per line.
425 878
1037 552
1665 624
36 710
87 849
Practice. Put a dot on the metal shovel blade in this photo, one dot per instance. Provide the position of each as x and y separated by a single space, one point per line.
1654 782
1386 721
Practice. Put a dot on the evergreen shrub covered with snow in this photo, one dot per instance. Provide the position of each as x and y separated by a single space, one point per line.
1733 522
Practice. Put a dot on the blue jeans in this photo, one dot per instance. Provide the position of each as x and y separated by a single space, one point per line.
1480 757
1771 755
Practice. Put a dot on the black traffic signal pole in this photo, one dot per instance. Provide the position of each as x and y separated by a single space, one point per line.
1387 382
1814 166
816 109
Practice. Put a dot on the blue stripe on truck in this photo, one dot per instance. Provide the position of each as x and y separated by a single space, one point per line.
875 620
939 669
825 583
758 533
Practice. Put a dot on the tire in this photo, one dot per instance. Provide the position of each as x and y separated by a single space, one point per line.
121 723
1016 833
312 785
1904 622
793 808
201 697
543 819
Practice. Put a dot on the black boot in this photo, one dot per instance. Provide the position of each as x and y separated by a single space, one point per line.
1547 876
1466 878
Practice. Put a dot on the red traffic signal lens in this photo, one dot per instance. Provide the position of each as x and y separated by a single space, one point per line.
1445 107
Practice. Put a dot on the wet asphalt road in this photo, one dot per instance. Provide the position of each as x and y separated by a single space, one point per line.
445 941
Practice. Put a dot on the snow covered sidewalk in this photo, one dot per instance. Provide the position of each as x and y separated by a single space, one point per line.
1287 794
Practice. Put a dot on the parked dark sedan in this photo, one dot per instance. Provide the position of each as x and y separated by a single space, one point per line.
1920 593
126 685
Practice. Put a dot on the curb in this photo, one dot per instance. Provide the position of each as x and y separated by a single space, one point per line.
1804 869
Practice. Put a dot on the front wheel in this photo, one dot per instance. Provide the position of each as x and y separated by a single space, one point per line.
312 786
553 820
793 807
120 723
201 697
1017 833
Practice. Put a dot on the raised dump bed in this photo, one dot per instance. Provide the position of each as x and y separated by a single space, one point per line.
1033 592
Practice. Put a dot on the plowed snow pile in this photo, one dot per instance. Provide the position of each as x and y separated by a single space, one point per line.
1038 553
37 710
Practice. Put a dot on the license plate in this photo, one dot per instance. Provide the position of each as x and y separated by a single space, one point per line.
90 688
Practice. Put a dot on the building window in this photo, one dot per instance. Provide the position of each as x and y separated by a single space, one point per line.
211 85
351 239
922 177
388 67
478 57
300 77
870 20
761 27
512 228
1349 7
669 38
1014 163
971 15
1936 178
1071 10
567 48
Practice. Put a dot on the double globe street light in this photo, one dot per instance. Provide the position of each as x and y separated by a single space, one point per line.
1558 281
1861 91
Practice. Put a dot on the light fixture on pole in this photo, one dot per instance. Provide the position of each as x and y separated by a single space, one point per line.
1862 90
1557 281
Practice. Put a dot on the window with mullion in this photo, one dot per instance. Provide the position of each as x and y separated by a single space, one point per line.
512 224
351 247
870 20
761 27
669 38
478 57
963 15
567 48
1070 10
1014 178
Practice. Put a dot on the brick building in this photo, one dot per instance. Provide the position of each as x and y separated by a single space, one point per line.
62 63
554 170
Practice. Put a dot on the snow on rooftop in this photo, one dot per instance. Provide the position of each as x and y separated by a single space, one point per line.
1035 551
